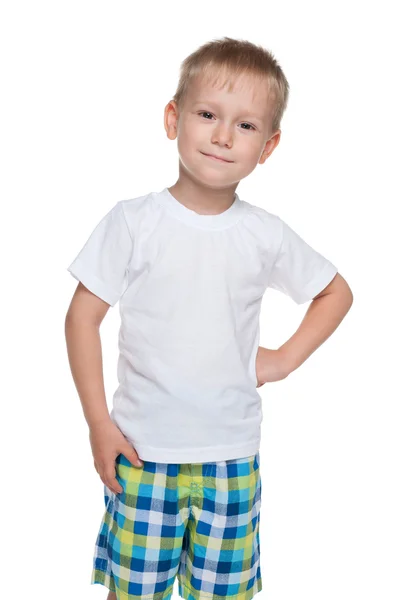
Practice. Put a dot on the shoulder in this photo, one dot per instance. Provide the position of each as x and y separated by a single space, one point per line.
276 227
137 211
135 206
261 213
266 221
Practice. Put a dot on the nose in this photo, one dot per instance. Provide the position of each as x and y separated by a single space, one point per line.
222 135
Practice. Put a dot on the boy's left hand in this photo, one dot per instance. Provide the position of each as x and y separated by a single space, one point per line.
270 366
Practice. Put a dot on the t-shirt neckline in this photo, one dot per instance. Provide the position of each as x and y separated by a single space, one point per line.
182 212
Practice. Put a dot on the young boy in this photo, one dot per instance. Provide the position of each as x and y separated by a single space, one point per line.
189 265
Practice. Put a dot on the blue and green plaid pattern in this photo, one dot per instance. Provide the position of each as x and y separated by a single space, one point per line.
197 522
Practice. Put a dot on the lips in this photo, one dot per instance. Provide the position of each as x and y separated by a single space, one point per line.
219 158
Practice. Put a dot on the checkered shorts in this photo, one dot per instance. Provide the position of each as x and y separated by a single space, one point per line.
197 522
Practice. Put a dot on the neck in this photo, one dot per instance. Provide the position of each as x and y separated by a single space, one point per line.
202 199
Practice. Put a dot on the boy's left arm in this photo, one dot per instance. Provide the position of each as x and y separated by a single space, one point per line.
323 316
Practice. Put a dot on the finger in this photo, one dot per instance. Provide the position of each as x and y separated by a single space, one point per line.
112 481
130 453
112 485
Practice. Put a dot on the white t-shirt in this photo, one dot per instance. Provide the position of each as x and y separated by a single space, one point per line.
190 288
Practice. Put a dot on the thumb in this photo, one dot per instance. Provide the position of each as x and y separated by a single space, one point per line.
130 453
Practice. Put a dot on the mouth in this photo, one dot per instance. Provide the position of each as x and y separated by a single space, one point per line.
217 158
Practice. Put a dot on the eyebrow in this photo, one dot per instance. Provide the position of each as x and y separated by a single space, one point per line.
213 104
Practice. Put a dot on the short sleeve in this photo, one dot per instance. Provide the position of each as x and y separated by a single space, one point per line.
299 271
102 263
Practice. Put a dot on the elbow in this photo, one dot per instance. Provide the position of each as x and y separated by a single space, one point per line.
345 291
348 293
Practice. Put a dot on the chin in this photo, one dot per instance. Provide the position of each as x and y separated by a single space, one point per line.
206 179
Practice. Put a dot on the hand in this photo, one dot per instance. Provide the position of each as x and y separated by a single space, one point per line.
270 366
107 442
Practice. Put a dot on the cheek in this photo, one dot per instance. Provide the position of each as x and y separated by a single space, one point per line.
189 137
191 129
249 150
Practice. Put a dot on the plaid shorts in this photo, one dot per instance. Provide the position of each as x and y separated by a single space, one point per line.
198 522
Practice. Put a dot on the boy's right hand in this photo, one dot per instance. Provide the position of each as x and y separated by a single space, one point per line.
107 442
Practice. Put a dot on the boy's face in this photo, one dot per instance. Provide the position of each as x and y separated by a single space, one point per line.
233 125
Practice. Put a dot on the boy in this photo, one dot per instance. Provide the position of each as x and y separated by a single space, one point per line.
189 265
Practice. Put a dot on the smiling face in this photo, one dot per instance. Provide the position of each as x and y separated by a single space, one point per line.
232 125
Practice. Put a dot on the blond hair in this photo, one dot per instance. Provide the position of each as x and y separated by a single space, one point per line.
234 58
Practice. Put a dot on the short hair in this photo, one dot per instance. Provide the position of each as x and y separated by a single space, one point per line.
235 57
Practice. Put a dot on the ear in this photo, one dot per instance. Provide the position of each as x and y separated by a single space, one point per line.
171 119
270 146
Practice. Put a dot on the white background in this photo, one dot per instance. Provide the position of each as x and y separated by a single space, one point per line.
84 89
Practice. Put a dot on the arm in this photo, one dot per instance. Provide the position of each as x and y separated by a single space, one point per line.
323 316
82 332
82 324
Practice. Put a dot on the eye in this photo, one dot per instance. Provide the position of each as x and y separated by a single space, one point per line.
204 112
251 126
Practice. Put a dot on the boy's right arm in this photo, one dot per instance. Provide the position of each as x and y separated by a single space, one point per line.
82 333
